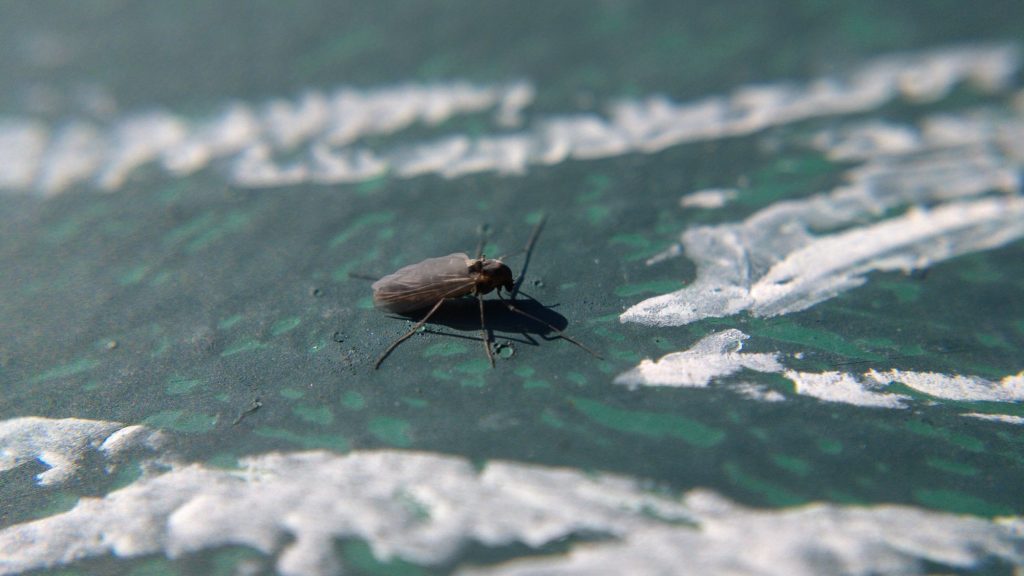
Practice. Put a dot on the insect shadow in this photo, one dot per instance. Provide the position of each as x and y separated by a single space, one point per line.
448 280
460 315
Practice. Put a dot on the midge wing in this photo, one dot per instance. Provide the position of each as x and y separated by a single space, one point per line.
423 284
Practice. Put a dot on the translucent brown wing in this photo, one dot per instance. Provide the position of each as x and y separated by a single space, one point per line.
421 285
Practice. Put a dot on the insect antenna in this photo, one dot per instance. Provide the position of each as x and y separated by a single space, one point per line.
529 252
563 335
485 231
529 244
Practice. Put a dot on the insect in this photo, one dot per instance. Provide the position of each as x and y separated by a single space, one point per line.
428 284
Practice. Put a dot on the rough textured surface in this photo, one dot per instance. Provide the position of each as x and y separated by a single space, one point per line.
424 508
192 195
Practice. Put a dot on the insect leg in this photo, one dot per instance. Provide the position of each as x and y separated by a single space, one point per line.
483 332
561 334
408 334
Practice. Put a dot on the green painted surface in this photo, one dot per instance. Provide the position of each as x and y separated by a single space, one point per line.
391 431
321 415
651 424
829 446
285 325
309 441
798 466
958 468
217 295
72 369
359 555
181 421
353 400
648 288
362 224
291 393
229 322
245 345
959 502
965 441
772 492
444 349
181 385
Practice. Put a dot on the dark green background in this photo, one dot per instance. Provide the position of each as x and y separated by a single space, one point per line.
217 296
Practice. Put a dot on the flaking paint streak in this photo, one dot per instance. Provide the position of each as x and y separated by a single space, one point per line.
718 356
326 129
426 508
794 254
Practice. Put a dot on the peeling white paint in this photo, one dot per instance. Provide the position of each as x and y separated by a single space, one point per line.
812 539
285 141
826 266
425 508
758 392
844 388
708 199
794 254
61 444
1003 418
322 125
21 145
420 507
956 387
716 357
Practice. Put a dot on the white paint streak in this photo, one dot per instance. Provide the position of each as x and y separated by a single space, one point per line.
420 507
758 392
1003 418
869 140
319 124
426 508
956 387
75 154
794 254
826 266
714 356
708 199
292 137
672 251
844 388
62 444
21 144
222 135
812 539
138 140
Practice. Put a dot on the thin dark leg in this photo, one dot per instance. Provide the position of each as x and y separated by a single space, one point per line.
408 334
483 333
561 334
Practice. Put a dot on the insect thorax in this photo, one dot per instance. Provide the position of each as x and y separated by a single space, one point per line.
490 274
